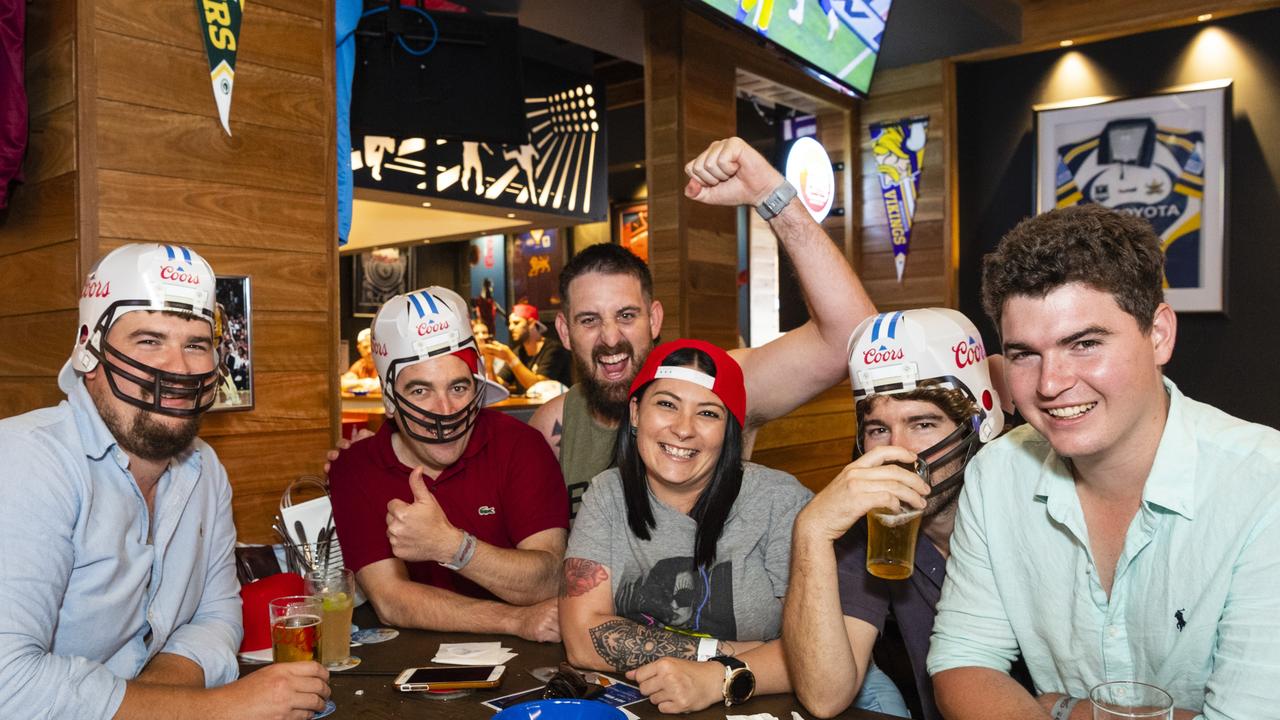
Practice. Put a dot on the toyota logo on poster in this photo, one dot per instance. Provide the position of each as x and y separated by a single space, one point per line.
808 168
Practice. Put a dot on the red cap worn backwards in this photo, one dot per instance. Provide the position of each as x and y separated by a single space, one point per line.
727 385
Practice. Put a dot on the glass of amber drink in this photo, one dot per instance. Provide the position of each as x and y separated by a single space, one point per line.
295 628
891 535
891 543
336 589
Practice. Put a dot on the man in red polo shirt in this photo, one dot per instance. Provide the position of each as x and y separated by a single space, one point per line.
453 517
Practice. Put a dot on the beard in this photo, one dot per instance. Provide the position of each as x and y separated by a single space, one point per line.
147 437
607 399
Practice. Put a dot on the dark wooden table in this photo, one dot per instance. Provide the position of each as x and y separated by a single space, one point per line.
375 697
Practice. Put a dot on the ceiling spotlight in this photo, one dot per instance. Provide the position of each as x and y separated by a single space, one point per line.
511 215
1204 17
426 204
638 165
1066 43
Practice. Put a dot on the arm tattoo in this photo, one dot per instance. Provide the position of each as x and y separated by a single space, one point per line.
557 431
581 576
626 645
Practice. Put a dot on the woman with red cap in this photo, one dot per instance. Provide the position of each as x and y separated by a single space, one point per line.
680 555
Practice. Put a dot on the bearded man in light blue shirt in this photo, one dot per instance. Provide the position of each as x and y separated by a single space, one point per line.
1127 532
116 539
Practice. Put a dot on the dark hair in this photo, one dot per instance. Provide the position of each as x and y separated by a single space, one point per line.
953 402
609 259
1108 250
712 508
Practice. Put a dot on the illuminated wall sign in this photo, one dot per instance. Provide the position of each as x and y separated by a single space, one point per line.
809 169
561 170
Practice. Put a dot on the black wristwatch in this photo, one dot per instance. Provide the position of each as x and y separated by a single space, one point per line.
739 681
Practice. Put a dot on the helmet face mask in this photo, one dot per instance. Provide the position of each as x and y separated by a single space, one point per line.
417 327
430 427
897 353
154 278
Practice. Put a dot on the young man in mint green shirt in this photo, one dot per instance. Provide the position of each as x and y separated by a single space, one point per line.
1126 532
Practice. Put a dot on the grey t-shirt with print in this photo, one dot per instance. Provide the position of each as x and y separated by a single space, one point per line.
655 582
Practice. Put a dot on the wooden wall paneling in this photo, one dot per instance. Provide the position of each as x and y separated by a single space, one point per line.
51 145
283 402
24 394
50 76
159 142
268 36
288 341
39 214
151 74
174 210
1046 22
259 466
664 129
41 280
951 186
44 343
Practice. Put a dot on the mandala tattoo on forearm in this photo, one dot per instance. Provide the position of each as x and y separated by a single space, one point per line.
582 575
626 645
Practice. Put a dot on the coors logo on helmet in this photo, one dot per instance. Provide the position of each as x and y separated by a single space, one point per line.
969 353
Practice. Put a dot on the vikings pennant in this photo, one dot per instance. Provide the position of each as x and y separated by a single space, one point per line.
220 21
899 150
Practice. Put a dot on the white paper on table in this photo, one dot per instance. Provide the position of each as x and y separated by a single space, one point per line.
481 653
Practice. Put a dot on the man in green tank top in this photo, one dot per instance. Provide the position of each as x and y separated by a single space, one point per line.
610 319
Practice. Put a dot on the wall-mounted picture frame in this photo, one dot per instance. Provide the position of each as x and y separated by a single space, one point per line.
631 227
234 330
537 257
1161 157
378 276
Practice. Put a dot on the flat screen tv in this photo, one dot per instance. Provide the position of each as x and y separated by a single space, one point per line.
836 41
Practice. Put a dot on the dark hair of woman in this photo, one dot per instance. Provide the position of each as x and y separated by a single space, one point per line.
716 501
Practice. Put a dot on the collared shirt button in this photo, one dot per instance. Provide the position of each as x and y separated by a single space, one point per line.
1113 631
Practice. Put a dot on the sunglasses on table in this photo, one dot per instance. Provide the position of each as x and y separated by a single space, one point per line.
568 683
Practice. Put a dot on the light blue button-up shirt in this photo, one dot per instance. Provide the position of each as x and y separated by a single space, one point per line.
86 599
1195 601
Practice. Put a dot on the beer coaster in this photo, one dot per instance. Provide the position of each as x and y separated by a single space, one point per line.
329 707
350 662
373 636
257 657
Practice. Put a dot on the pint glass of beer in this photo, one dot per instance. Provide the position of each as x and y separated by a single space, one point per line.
891 536
336 588
295 628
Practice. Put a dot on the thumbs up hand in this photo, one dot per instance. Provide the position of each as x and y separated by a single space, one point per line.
419 531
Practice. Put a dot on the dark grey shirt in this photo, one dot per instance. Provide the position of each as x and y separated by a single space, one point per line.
913 601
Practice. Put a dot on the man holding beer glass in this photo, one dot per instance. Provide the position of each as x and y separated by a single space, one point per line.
925 402
1126 532
115 520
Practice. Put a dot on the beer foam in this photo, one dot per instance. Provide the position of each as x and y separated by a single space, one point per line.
899 519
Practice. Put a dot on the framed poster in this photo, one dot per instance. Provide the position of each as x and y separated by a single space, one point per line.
631 223
380 275
234 331
1161 157
537 256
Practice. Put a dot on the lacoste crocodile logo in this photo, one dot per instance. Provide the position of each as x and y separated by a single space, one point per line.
487 510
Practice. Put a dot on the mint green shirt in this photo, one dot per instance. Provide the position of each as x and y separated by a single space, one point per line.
1195 602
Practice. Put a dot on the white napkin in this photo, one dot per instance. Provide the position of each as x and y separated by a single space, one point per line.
481 653
763 716
314 515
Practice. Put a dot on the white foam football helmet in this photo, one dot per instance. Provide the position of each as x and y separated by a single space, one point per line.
416 327
897 352
156 278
